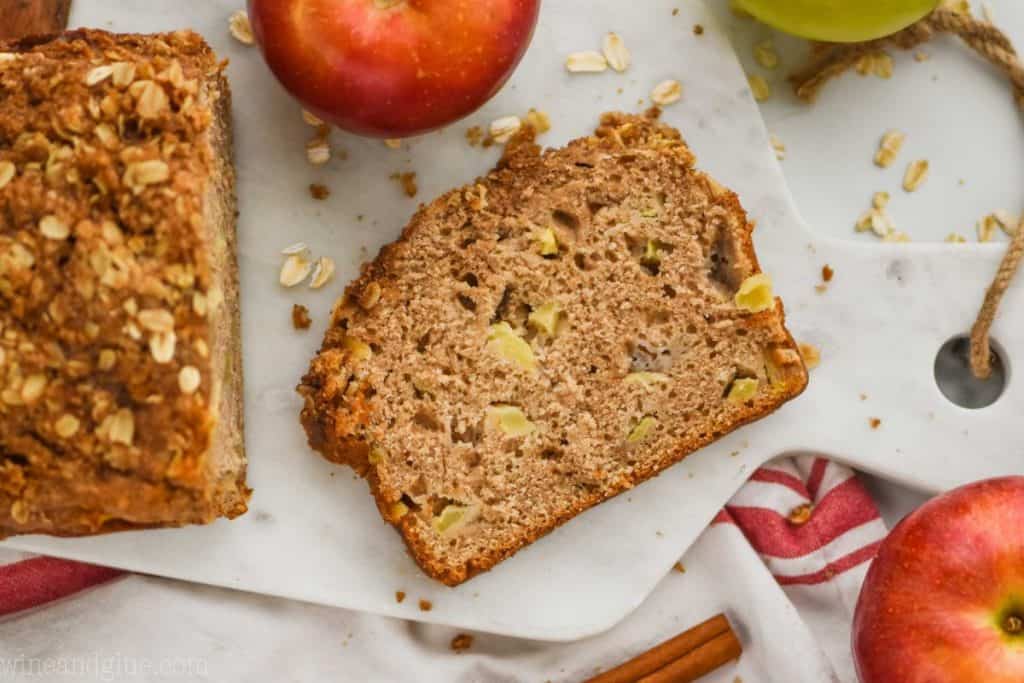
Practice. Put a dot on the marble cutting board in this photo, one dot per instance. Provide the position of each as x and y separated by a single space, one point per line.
313 533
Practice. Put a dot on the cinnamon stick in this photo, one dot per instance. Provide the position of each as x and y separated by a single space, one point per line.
705 659
693 653
21 18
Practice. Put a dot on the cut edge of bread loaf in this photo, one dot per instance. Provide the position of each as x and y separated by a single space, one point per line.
350 420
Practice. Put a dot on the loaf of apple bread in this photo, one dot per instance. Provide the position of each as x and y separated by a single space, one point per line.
545 338
120 372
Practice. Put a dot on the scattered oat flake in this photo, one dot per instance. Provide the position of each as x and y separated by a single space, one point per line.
393 143
318 151
765 54
896 236
462 642
1006 221
875 422
881 224
666 92
501 130
588 61
312 119
295 270
917 173
240 27
876 221
539 121
779 147
300 317
759 87
880 200
297 248
615 52
323 271
987 227
426 605
956 238
827 273
810 354
408 182
319 192
889 148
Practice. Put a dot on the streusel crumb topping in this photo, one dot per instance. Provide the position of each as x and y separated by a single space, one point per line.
105 278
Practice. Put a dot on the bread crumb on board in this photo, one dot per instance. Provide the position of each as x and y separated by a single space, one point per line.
426 605
474 135
319 192
799 515
875 422
678 566
827 273
399 596
408 182
300 317
462 642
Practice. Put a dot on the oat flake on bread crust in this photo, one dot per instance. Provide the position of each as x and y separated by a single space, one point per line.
545 338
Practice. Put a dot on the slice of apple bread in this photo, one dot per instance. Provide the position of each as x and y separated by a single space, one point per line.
550 336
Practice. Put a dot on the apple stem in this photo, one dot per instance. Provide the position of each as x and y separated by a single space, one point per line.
1013 625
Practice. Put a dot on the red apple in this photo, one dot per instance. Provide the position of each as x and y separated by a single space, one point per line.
943 601
393 68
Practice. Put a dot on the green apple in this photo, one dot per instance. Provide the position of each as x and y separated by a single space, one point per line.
838 21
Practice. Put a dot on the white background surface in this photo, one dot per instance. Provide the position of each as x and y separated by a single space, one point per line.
958 116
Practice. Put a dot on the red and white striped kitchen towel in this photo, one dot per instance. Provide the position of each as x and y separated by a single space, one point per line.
810 520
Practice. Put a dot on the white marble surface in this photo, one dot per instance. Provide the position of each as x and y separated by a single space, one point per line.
313 534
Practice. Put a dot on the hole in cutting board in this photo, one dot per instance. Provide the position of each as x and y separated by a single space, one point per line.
957 382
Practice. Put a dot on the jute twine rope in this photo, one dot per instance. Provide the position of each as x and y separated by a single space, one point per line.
832 59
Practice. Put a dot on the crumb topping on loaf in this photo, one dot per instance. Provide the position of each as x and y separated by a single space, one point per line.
545 338
109 287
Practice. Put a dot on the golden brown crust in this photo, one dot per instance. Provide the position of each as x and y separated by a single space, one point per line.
109 290
339 408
